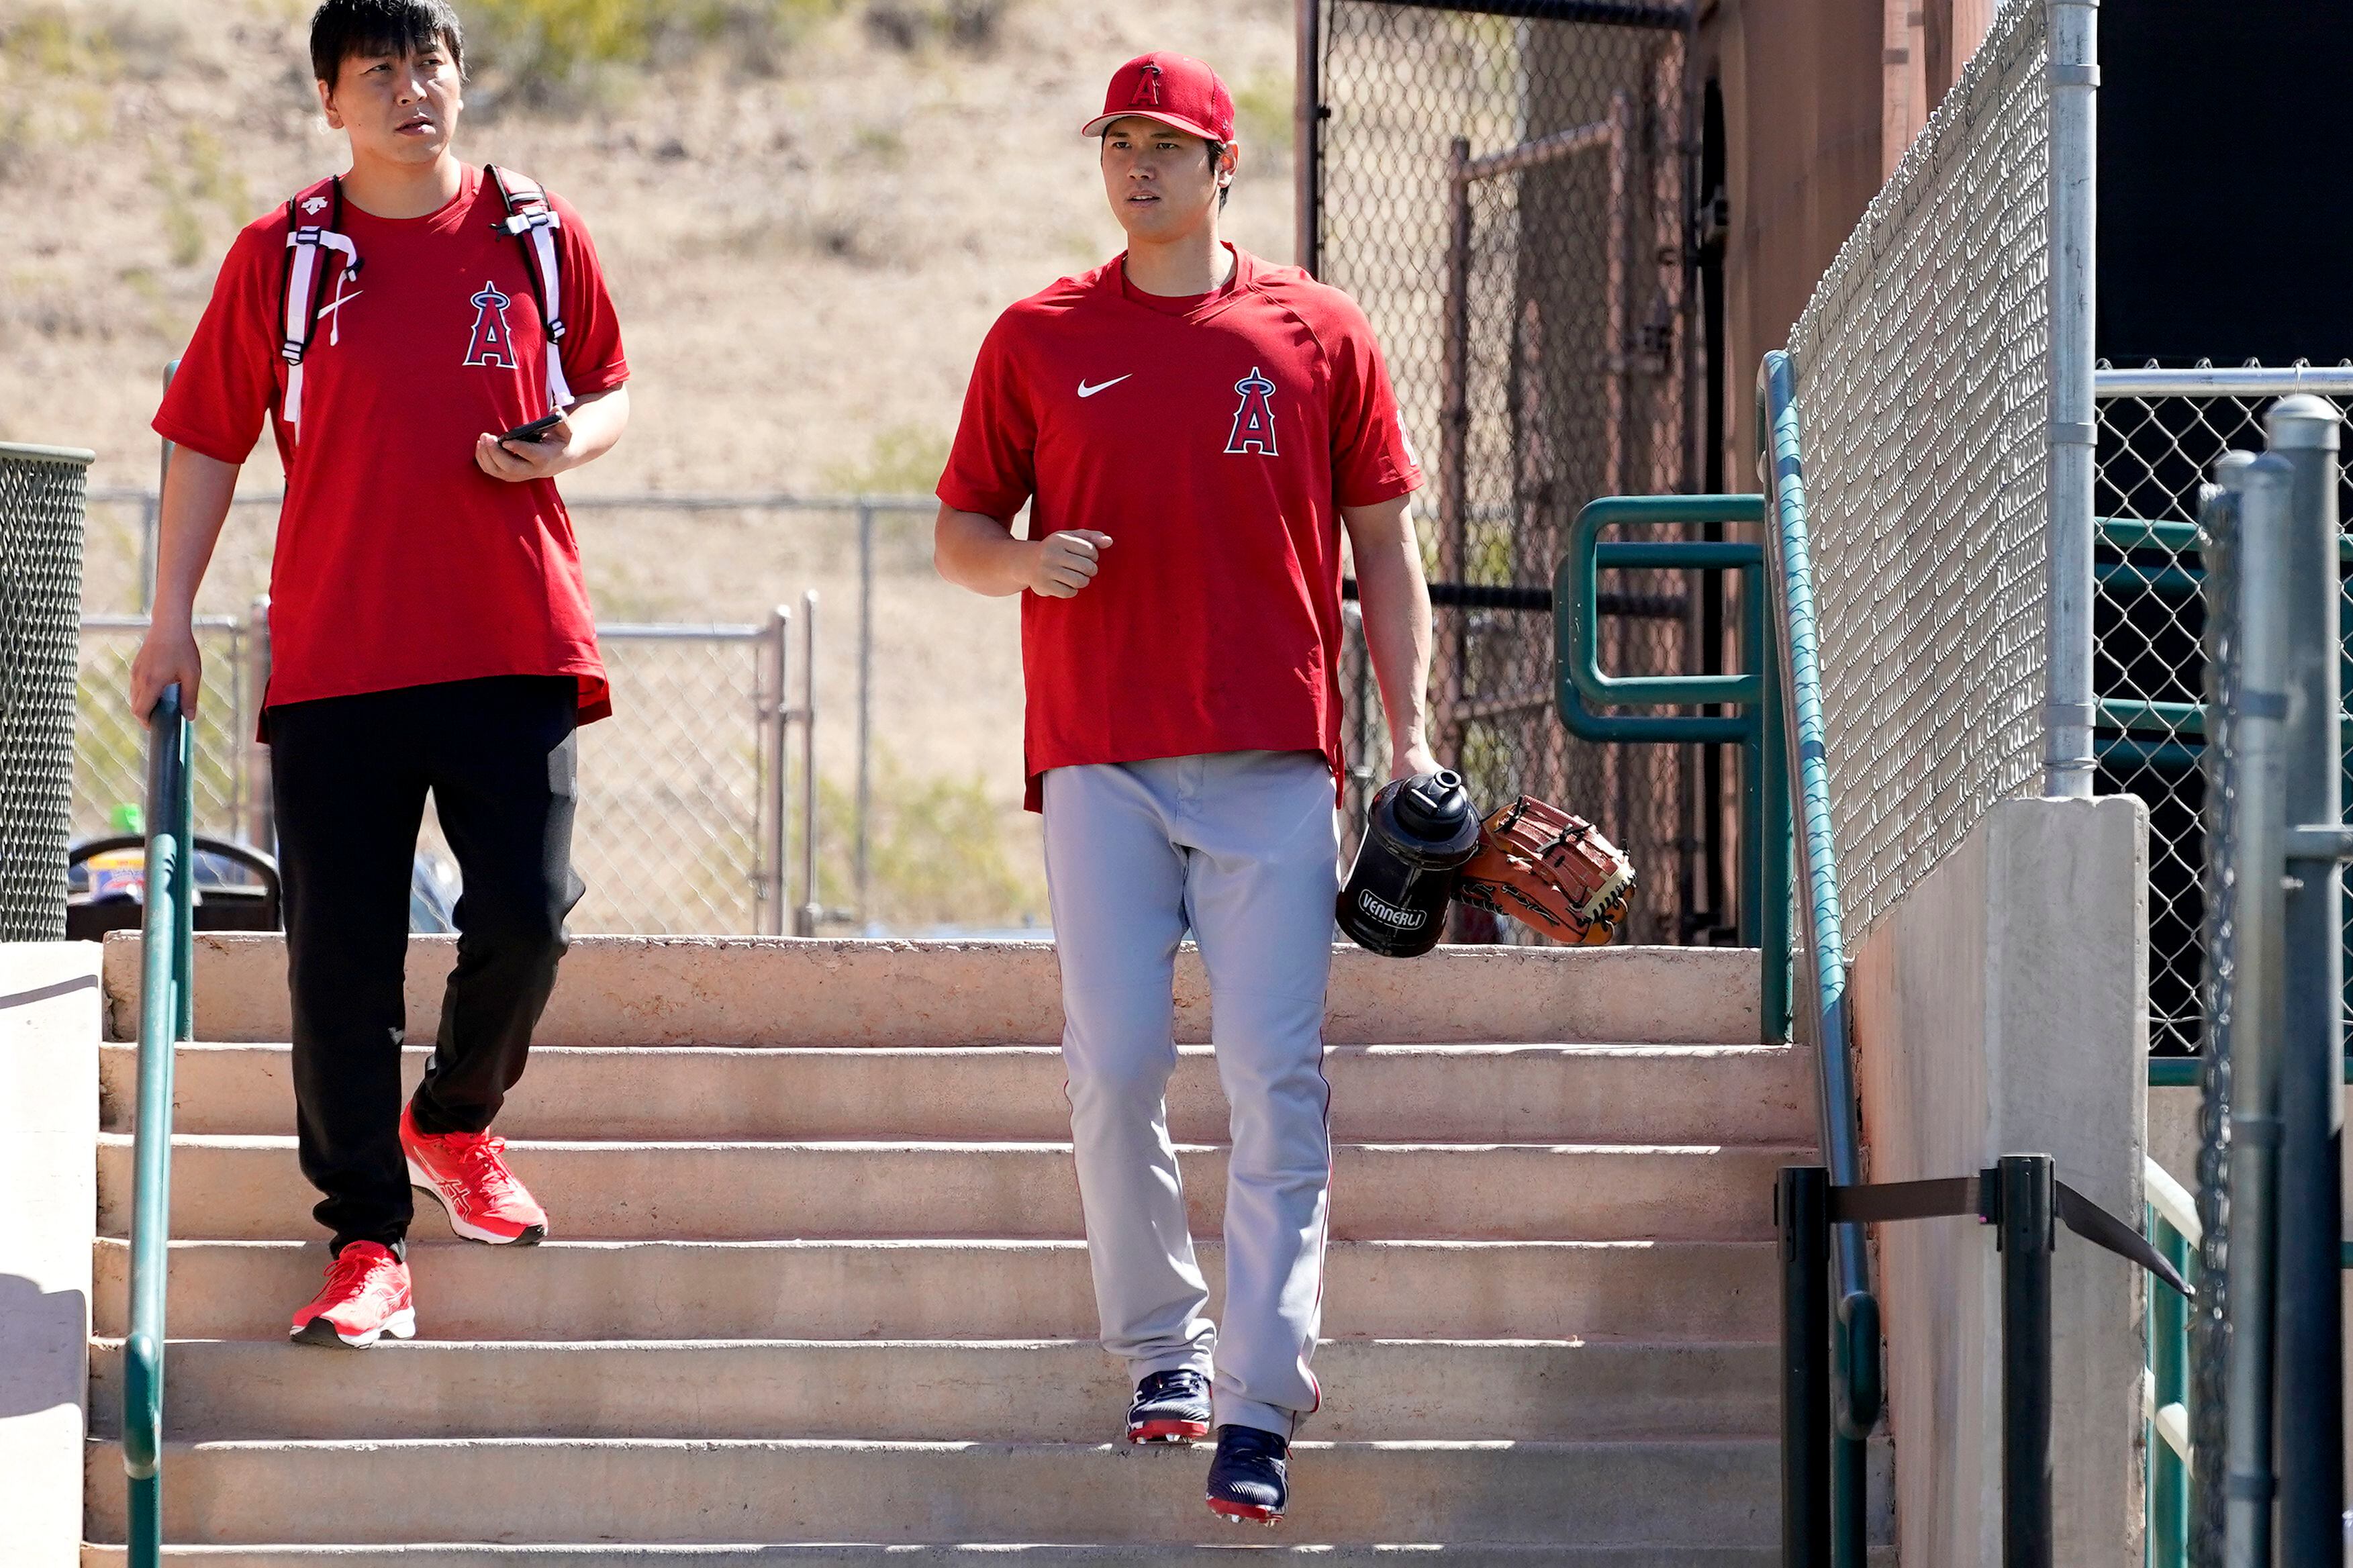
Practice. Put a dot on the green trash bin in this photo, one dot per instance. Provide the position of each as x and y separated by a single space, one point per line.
42 495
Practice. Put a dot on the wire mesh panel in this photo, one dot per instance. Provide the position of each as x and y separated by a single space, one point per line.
672 786
41 492
110 742
1924 377
2156 445
1504 195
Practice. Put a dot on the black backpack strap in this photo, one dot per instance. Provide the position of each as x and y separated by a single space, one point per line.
532 220
303 279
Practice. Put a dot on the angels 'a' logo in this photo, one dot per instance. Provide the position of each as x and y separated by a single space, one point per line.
1254 420
489 344
1148 87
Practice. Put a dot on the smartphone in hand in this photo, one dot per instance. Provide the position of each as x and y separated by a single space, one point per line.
534 430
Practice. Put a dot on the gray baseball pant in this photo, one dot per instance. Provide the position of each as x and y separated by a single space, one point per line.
1242 847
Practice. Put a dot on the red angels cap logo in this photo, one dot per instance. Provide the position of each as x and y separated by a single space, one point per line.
1148 87
1254 420
489 343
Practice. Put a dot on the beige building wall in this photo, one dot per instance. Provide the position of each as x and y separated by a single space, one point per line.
2002 1007
49 1213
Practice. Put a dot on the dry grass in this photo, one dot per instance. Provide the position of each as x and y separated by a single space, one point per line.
810 211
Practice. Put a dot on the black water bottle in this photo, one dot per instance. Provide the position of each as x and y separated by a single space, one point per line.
1418 834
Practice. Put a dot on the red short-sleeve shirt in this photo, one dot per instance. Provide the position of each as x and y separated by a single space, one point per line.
398 561
1215 439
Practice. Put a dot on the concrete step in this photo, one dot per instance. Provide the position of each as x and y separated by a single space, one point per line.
1589 1094
779 991
1715 1493
1022 1390
944 1289
1457 1554
226 1188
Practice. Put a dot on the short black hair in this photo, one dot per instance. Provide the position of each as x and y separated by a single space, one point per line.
342 29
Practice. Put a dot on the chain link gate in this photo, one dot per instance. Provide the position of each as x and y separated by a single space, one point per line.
1501 186
41 501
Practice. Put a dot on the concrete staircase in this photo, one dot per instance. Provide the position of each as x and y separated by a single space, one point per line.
815 1293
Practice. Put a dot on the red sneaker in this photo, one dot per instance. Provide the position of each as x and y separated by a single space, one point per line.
365 1298
481 1196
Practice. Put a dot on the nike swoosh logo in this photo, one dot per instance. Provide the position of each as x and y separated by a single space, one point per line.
1086 391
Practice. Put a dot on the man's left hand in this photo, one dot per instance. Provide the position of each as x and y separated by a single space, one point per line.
1413 761
516 461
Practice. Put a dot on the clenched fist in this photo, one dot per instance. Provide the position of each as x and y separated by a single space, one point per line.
1066 563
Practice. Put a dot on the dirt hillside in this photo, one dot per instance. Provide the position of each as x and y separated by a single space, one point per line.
810 211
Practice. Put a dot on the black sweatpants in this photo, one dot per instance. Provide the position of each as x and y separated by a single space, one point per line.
351 774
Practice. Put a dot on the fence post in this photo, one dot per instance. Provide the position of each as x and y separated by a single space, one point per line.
2258 807
1448 646
1307 112
865 701
150 520
776 717
2029 1213
2068 698
811 910
1802 1215
2303 431
260 826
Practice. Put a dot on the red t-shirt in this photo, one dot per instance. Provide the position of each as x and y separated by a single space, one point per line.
398 561
1214 440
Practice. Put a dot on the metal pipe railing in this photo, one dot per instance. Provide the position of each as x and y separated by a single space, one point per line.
166 1015
1797 700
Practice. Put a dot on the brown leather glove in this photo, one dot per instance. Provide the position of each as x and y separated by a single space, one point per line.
1551 871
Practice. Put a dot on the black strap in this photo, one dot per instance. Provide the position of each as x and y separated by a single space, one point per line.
2101 1229
550 319
1882 1203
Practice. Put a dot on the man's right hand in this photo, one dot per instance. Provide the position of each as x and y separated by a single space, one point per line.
169 653
1066 563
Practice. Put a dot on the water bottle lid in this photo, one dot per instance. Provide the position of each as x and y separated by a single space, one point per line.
1434 806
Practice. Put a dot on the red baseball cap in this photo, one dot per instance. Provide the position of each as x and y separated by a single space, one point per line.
1174 90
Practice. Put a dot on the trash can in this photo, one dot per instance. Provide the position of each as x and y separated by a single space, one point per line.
42 494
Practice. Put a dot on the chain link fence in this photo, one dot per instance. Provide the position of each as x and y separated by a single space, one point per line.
2160 433
682 816
1504 194
41 501
1924 376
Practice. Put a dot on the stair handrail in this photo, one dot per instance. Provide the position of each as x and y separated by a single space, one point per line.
166 1016
1794 679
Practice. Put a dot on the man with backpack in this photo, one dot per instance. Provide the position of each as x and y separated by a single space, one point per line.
394 327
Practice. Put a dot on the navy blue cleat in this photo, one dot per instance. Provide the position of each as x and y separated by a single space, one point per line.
1170 1408
1247 1479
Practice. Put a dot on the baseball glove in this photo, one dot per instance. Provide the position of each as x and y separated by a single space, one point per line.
1550 871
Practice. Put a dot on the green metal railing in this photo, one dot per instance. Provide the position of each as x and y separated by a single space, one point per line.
2165 1390
166 1015
1775 719
1582 687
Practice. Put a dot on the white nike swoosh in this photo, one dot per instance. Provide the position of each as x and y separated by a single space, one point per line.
1086 391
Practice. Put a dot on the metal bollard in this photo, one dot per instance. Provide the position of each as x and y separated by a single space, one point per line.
2029 1200
2263 486
1801 1215
2301 430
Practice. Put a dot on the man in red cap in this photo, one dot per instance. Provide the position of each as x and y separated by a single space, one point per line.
1193 430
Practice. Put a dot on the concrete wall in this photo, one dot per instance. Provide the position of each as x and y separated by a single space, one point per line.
2002 1007
49 1128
